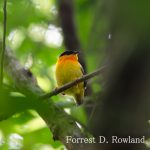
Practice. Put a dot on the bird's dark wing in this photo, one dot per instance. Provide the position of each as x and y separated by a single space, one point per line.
85 82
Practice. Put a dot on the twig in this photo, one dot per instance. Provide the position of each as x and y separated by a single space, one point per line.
70 84
4 42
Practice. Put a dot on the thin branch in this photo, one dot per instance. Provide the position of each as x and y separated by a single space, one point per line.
70 84
4 42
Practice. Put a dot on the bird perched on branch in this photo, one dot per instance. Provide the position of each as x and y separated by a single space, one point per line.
69 69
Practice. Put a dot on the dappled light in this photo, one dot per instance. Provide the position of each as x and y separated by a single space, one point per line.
74 75
15 141
53 36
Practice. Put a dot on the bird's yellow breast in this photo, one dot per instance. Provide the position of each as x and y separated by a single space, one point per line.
68 69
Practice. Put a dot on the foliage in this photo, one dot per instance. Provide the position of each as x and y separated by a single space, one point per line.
35 36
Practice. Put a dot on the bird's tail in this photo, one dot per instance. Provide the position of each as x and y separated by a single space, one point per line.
79 98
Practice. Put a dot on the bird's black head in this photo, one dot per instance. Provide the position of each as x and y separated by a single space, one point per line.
69 52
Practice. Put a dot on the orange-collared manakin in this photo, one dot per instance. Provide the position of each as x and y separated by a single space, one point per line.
69 69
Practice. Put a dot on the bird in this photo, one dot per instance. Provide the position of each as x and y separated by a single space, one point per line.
68 69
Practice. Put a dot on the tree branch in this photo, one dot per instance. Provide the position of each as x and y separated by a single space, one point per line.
4 41
70 84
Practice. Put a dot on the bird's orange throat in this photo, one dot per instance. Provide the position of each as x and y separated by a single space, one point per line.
68 58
